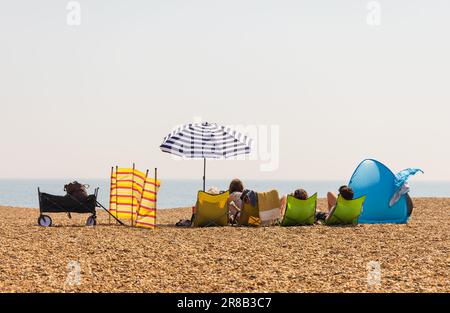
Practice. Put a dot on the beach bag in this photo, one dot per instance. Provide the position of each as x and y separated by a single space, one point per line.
76 190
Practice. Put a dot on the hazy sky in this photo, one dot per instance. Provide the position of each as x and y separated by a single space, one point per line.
77 99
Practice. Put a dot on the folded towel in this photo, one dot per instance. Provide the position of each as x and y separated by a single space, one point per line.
402 177
401 184
269 206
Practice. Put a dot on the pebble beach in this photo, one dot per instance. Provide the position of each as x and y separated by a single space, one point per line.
111 258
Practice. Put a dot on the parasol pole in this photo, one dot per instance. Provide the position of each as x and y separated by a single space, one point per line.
204 173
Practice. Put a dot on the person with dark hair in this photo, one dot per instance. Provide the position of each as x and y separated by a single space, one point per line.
234 202
300 194
346 193
236 185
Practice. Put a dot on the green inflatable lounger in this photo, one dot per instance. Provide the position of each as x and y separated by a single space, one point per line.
346 212
299 212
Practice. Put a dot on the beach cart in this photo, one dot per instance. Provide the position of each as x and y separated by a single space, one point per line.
66 204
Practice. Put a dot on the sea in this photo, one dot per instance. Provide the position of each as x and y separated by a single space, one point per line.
182 193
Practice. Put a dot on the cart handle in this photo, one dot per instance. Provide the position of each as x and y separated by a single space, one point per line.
107 211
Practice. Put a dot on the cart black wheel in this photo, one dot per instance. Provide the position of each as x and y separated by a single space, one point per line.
45 221
91 220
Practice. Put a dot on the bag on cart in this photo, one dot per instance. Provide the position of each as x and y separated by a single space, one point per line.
76 190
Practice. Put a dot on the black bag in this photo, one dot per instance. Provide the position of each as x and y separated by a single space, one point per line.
76 190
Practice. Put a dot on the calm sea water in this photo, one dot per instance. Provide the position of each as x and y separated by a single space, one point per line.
182 193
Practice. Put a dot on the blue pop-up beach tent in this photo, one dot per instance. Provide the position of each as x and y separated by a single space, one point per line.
374 180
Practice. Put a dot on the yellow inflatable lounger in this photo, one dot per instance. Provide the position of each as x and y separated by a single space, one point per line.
269 207
211 210
266 211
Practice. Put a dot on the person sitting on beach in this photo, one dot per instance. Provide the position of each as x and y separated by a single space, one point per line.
300 194
346 193
234 201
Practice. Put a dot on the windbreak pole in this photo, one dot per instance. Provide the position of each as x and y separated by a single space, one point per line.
110 193
156 192
117 190
132 196
142 195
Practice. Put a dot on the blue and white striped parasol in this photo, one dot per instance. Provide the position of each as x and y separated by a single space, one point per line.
206 141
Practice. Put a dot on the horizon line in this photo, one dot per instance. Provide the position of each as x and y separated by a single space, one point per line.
196 178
